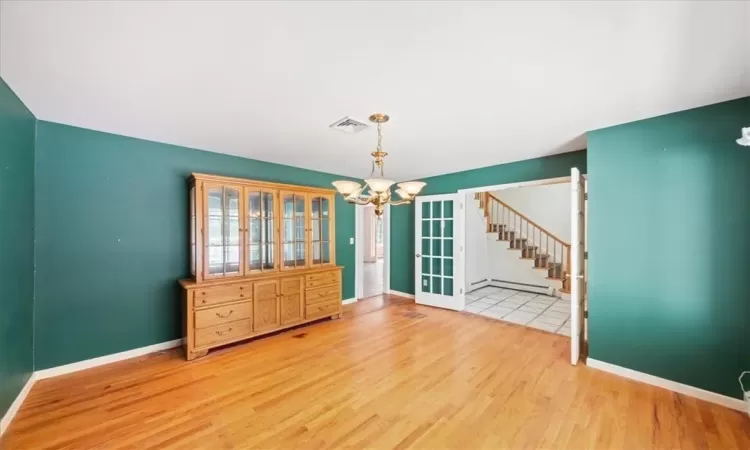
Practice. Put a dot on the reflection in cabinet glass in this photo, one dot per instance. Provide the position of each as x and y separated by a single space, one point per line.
241 228
223 230
293 236
320 225
261 230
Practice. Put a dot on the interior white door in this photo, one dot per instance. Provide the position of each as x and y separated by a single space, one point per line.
437 251
577 269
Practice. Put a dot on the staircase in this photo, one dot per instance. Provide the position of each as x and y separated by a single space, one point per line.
542 249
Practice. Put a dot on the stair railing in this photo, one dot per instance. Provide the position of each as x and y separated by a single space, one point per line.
548 251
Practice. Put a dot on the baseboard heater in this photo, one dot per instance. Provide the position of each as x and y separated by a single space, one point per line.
520 284
479 282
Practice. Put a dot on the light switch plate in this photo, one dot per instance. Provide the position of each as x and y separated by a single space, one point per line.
351 241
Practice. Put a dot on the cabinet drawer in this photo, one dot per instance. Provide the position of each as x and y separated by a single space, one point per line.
322 279
322 309
212 295
322 294
223 314
222 333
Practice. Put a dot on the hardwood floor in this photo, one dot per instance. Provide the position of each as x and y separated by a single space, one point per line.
389 374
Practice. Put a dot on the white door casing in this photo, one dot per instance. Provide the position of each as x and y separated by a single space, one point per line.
438 251
359 242
577 269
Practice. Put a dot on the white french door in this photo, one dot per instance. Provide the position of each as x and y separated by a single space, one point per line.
437 252
577 269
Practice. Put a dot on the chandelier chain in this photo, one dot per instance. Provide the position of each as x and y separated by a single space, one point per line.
379 148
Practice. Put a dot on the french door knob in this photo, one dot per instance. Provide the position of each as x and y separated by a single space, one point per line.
418 255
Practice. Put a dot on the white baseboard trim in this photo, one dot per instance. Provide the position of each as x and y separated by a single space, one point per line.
349 301
401 294
107 359
16 405
691 391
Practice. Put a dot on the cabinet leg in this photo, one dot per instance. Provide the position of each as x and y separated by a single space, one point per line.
198 354
336 316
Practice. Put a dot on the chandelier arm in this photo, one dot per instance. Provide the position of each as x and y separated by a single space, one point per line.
357 201
399 202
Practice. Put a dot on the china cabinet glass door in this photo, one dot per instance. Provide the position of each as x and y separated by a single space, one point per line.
321 246
293 235
261 224
223 237
193 232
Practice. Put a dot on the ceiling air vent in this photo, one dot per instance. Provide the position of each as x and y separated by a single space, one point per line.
348 125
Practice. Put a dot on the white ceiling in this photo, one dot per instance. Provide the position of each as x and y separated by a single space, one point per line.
466 84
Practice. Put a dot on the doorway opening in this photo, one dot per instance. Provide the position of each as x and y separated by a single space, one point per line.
372 252
520 254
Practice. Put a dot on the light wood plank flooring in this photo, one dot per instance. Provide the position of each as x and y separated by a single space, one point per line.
390 374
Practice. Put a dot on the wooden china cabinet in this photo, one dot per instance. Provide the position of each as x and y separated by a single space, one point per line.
263 258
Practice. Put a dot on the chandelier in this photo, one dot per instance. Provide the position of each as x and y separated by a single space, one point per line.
379 192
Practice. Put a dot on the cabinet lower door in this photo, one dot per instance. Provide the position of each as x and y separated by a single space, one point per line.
292 305
265 305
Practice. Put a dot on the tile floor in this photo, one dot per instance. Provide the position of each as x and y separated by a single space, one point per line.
524 308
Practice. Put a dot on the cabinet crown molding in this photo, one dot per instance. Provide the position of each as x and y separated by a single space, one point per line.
265 184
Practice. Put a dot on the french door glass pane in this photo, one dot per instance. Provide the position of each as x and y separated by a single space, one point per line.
448 247
448 228
425 283
437 247
448 286
436 266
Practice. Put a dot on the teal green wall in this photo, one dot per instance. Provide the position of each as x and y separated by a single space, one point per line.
17 128
402 217
112 239
669 246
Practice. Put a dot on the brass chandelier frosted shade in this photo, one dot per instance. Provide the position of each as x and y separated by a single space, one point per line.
378 186
346 188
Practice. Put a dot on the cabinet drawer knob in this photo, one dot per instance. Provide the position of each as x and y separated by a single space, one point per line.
242 295
222 333
220 316
203 301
